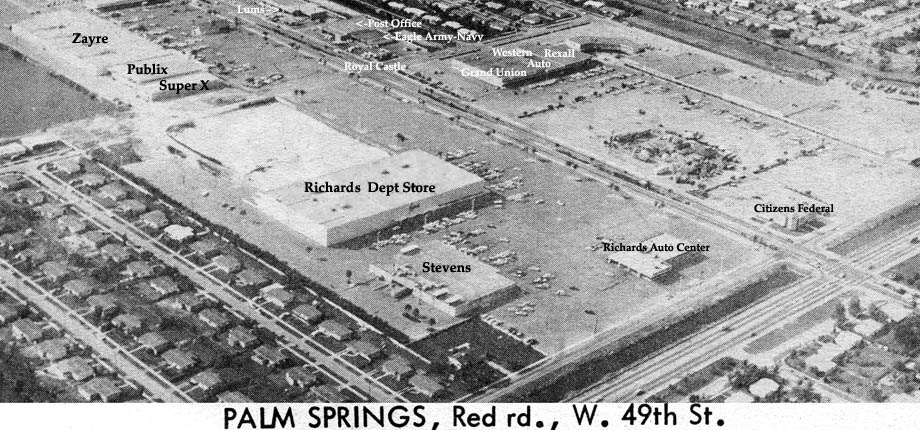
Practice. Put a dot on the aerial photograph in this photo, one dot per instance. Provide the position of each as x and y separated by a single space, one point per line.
459 201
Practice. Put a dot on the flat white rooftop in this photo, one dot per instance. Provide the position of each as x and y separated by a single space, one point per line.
175 65
336 209
273 145
55 32
481 281
650 264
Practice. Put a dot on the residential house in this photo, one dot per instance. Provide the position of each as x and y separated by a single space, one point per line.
117 253
327 394
53 350
11 182
33 255
179 360
101 388
94 239
251 278
233 397
50 210
8 313
190 302
75 368
155 219
365 350
895 312
27 330
214 318
71 224
114 192
91 180
867 328
104 304
69 166
206 248
763 388
270 356
129 323
241 337
139 270
12 242
81 288
208 381
335 330
277 295
55 271
131 207
301 377
426 386
30 197
308 313
179 233
399 367
227 264
154 342
739 397
164 286
532 19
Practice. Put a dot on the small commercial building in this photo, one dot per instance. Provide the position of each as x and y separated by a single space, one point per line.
654 262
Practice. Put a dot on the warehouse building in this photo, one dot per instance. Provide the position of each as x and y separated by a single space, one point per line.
528 64
362 205
53 34
473 286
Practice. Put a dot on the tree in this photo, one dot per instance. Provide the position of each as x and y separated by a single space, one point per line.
906 336
855 307
840 313
746 374
18 383
875 313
